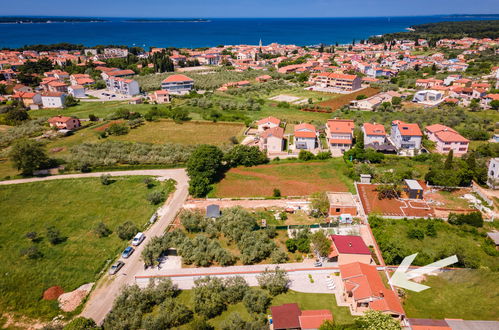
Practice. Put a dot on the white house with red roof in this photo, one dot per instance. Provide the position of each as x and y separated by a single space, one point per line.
305 137
77 91
272 140
159 97
374 134
346 82
346 249
363 289
177 84
339 134
447 139
266 123
406 136
63 122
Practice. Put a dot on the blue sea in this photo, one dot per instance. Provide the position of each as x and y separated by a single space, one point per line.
215 31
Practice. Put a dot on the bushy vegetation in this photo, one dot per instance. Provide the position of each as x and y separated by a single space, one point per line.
236 225
109 153
27 129
433 240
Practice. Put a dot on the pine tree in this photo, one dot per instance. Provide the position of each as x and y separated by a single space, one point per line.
448 161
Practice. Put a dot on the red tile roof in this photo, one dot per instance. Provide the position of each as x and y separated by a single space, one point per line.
340 141
407 129
437 128
62 119
274 131
364 282
338 76
270 119
449 136
285 316
350 244
313 319
344 126
177 78
374 129
305 131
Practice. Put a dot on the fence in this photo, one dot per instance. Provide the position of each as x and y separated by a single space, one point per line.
477 189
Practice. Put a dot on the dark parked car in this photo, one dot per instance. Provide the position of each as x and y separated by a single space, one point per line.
127 252
116 267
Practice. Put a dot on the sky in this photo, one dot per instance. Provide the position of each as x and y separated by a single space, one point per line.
247 8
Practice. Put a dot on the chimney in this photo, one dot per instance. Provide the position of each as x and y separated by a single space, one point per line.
350 244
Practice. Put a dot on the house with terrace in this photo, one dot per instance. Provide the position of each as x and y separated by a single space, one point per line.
339 134
305 137
363 290
177 84
406 136
266 123
447 139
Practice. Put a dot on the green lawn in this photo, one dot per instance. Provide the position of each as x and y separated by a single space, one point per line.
306 301
463 294
74 207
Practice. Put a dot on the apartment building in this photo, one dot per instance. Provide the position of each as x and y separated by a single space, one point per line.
339 134
447 139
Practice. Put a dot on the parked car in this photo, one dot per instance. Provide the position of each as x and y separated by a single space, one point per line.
116 267
139 238
127 252
318 264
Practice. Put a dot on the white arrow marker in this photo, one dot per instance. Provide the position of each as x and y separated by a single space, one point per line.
402 276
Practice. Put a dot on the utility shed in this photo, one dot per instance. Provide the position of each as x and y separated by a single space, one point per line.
413 189
213 211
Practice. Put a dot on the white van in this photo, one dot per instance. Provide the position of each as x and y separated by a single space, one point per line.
138 239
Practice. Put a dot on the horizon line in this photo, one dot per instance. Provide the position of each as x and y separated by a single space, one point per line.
246 17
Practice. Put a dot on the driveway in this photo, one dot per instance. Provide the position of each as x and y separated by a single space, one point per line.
298 274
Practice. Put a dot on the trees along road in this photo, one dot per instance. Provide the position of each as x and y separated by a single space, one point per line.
108 287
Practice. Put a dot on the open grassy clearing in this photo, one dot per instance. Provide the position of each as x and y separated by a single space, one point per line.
306 301
462 294
185 133
74 207
291 178
84 109
393 237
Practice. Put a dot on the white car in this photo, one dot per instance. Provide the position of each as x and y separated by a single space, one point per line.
139 238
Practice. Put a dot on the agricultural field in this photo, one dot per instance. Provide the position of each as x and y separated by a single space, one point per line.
337 102
291 178
306 301
159 132
461 294
185 133
74 207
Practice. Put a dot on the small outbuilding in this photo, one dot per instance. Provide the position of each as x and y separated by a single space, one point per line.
341 203
413 189
213 211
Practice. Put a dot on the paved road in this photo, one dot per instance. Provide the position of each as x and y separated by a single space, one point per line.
101 299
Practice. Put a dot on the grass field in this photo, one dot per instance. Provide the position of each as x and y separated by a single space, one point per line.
184 133
74 207
393 239
345 99
463 294
306 301
99 109
291 178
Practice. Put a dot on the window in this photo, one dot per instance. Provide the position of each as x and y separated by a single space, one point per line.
338 210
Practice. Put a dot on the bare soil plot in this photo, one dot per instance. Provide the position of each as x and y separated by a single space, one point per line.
392 207
292 179
337 102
